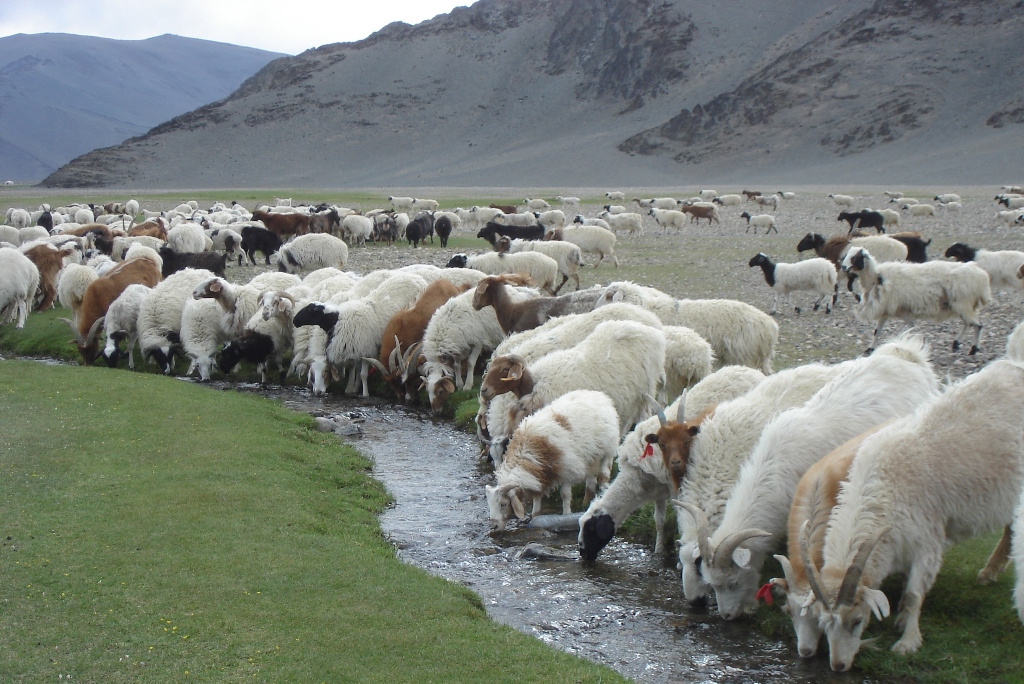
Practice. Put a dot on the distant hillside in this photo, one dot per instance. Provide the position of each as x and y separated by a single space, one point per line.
62 95
623 92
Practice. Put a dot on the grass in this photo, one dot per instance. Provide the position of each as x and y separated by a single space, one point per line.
143 541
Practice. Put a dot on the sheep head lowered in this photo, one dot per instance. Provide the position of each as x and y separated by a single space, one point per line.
400 372
507 374
504 501
88 342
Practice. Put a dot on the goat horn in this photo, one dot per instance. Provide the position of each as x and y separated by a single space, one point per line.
787 571
411 355
681 407
723 554
657 408
848 589
378 365
395 360
702 525
74 329
91 337
810 569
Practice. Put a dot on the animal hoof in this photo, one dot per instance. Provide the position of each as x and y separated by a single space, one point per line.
867 352
798 308
956 345
974 350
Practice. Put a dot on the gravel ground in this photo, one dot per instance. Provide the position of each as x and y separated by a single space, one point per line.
711 261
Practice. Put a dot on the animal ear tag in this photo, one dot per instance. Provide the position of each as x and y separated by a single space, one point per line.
764 593
648 451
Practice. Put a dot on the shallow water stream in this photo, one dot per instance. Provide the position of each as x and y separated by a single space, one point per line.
626 611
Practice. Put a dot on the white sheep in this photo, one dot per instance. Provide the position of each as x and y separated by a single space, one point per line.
425 204
920 209
31 234
615 209
160 315
121 245
122 323
312 251
9 234
1011 217
484 215
768 201
669 218
766 221
568 201
947 198
536 204
226 240
567 255
84 215
707 195
187 238
728 200
402 204
1002 266
890 217
201 335
357 229
951 206
815 275
893 195
581 221
616 196
641 478
72 282
591 239
627 221
738 332
933 291
786 195
523 220
842 200
948 472
865 392
707 471
539 268
19 280
571 440
20 218
139 249
553 218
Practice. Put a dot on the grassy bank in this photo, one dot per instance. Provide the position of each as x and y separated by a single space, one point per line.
144 541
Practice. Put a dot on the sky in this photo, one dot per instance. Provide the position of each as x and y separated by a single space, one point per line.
289 27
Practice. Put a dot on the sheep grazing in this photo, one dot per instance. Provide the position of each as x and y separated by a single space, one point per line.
903 202
710 463
539 268
766 221
813 275
405 332
1010 218
201 335
640 354
893 195
358 229
402 204
1012 202
571 440
935 291
842 200
866 218
19 279
738 332
668 218
890 383
590 239
641 478
948 472
311 252
425 204
568 256
160 316
1002 266
209 261
122 323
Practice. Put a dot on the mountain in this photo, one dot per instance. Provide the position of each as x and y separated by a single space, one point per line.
62 95
614 92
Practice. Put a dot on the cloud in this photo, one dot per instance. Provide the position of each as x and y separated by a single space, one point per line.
289 27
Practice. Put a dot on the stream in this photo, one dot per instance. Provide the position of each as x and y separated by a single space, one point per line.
626 611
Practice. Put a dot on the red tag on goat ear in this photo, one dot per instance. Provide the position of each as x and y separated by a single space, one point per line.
765 592
649 451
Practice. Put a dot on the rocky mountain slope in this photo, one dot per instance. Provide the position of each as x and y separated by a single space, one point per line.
595 92
62 95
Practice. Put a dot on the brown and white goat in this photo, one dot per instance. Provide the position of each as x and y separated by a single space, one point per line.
100 294
49 261
405 331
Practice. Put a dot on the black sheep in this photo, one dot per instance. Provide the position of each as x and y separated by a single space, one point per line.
256 239
443 227
863 219
492 230
174 262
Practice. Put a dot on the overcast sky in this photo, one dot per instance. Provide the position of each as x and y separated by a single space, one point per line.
290 26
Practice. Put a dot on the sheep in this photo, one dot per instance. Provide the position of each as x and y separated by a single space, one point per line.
947 198
571 440
920 209
915 244
842 200
443 227
425 204
590 240
893 195
536 204
892 382
84 215
72 283
521 220
256 239
539 268
935 291
951 206
226 240
950 471
701 210
122 323
750 194
568 201
835 248
890 217
766 221
101 263
175 261
738 333
19 279
402 204
815 275
639 354
492 231
768 201
357 229
614 209
624 221
238 303
704 469
201 335
786 195
269 332
20 218
728 200
31 234
120 245
1002 266
616 196
186 238
813 501
581 221
1012 202
668 218
865 218
401 339
9 234
313 251
355 326
568 256
1010 218
903 202
418 229
484 215
160 316
642 479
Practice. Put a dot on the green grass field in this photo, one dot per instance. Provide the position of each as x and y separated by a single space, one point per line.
156 531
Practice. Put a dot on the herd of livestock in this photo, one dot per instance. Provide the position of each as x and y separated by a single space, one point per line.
846 472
